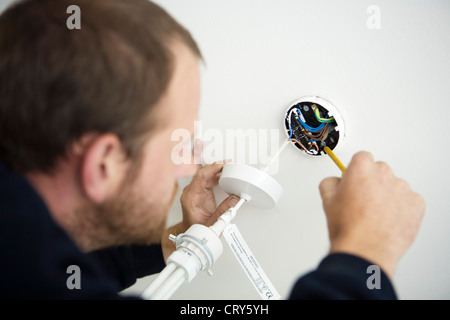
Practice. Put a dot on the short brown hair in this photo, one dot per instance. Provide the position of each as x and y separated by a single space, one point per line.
57 84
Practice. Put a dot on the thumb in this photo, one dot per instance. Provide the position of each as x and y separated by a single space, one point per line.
229 202
328 188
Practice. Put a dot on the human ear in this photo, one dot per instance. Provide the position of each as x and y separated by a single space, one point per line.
103 168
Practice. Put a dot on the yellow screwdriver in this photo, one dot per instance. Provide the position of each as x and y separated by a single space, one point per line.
335 159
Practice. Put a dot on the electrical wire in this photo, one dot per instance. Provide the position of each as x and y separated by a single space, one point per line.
284 145
298 142
319 118
323 120
307 151
290 125
306 126
314 134
321 135
290 130
315 145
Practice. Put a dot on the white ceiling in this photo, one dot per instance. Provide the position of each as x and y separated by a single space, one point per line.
392 87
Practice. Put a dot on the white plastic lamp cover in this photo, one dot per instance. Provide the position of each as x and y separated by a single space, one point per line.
257 187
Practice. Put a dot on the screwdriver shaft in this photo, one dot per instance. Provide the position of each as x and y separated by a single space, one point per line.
335 159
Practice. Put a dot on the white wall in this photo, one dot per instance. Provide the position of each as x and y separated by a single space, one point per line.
392 86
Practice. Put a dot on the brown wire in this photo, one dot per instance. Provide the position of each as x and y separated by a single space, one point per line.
295 140
319 135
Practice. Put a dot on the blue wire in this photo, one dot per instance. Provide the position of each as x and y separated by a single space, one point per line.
308 127
290 126
290 130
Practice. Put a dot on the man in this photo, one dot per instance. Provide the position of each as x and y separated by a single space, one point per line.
86 177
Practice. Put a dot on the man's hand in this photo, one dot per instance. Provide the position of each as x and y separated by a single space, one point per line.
198 204
371 213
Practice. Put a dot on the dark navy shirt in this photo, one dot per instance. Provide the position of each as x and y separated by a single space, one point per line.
35 254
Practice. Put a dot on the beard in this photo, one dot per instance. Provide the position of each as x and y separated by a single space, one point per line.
130 218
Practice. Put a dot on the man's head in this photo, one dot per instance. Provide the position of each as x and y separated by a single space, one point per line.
87 115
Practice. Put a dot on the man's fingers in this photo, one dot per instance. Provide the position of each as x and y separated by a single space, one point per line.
209 175
328 187
361 161
225 161
363 156
228 203
212 169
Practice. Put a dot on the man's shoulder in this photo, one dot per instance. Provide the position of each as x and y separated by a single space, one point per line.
37 254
